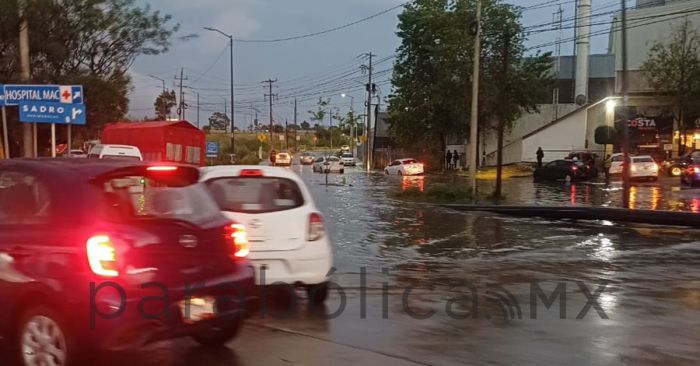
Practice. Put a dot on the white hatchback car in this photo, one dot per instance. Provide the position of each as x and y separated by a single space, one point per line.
404 167
616 163
328 164
288 242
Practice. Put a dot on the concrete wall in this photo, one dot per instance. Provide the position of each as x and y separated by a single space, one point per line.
526 124
557 139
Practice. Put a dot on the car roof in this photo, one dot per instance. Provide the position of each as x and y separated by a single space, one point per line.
405 159
642 156
220 171
81 167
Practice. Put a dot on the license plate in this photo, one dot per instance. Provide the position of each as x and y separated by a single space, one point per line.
197 309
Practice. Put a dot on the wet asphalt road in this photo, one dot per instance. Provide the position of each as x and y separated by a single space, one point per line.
419 284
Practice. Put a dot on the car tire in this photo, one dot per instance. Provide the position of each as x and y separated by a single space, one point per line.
219 337
386 172
53 328
342 171
675 171
317 293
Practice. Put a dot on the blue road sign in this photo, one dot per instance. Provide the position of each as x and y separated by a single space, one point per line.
212 149
49 112
13 94
2 95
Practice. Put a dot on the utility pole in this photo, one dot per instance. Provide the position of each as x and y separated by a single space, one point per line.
501 120
271 96
625 114
286 135
28 141
181 108
296 126
197 110
474 117
370 88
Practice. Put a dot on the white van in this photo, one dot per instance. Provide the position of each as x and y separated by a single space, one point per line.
122 152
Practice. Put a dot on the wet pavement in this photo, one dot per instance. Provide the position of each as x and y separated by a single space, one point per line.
419 284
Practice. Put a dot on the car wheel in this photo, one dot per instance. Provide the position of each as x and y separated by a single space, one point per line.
317 293
219 337
342 171
386 172
42 339
675 171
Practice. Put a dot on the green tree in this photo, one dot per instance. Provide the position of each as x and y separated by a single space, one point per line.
319 114
305 126
219 121
163 104
673 68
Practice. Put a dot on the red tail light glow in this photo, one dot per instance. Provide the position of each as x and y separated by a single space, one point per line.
574 168
241 247
161 168
316 227
102 256
251 173
697 170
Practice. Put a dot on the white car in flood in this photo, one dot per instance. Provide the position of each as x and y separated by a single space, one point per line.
644 166
287 236
404 167
328 164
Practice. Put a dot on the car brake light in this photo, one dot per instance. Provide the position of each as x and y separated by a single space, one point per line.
251 173
633 168
161 168
656 166
316 228
574 168
697 170
102 256
241 247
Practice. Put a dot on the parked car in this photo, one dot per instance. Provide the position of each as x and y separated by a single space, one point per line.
121 152
643 166
348 159
563 169
328 164
82 243
283 159
75 153
675 167
587 157
616 163
404 167
691 174
285 228
306 158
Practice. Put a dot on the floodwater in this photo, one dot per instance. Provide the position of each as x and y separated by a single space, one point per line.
420 284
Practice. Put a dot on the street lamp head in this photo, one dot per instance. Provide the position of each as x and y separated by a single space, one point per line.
343 95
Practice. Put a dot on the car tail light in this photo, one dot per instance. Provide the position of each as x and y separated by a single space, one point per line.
316 227
656 166
251 173
574 168
241 247
633 168
161 168
102 256
696 170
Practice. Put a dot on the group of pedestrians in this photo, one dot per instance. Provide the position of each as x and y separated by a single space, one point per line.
452 160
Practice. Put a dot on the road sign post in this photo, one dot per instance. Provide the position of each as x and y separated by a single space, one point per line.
54 104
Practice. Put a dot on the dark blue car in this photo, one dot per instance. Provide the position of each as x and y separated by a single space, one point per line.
113 255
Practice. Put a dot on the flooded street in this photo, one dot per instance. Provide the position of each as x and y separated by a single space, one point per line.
420 284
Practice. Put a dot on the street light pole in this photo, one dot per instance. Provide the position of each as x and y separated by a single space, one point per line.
233 111
474 117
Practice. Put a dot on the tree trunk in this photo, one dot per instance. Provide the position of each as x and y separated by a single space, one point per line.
499 159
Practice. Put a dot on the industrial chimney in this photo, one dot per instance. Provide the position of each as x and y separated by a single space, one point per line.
583 42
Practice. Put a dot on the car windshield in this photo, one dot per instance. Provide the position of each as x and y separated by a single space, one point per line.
333 158
133 198
255 195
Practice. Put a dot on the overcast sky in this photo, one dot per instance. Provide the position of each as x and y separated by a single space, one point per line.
331 59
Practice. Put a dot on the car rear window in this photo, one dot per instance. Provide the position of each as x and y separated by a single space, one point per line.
333 158
643 160
121 157
406 162
131 198
347 155
255 194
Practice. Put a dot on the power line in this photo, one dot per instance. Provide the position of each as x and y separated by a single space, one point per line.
324 31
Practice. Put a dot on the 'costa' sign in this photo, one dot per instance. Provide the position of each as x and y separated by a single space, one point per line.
642 124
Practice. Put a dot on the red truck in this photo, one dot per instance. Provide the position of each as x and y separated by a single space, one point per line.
177 141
